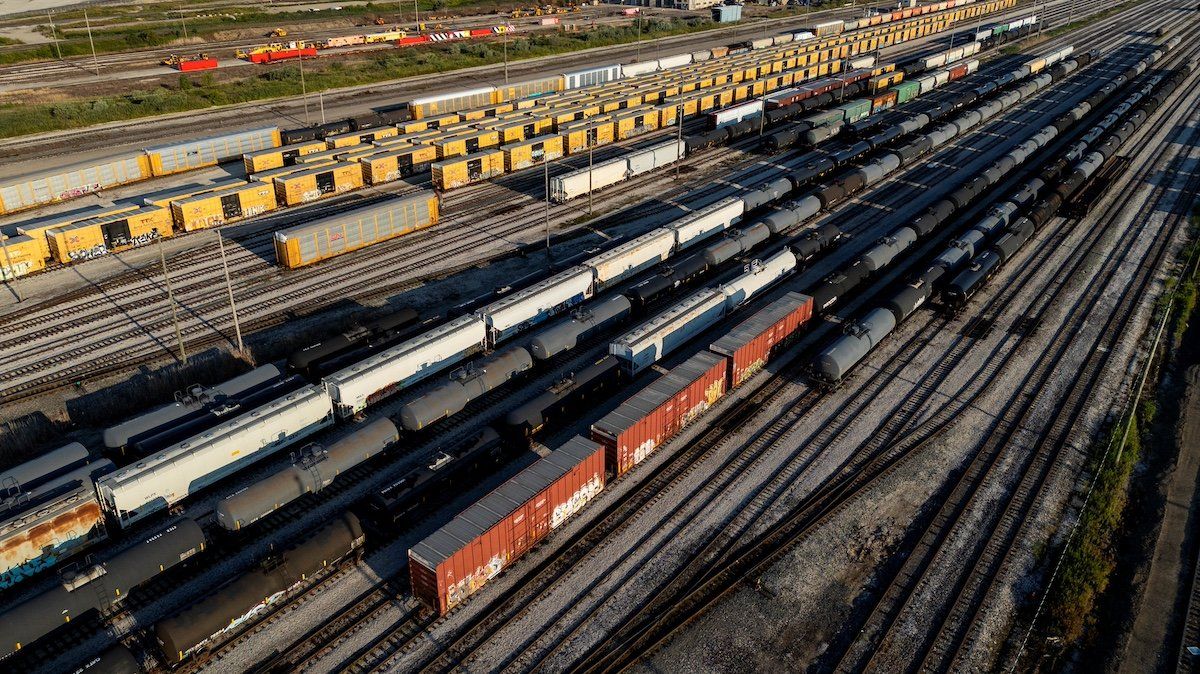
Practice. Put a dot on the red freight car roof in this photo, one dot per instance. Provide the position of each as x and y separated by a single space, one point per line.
635 410
477 520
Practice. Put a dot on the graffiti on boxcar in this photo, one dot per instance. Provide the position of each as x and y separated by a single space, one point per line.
469 585
563 511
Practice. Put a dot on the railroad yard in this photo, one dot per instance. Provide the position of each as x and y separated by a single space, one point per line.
845 340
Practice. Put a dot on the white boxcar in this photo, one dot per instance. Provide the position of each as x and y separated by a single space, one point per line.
862 62
784 39
675 61
591 76
643 346
759 274
927 83
654 157
736 113
642 68
577 183
703 223
762 43
528 307
802 35
362 384
702 55
631 257
166 478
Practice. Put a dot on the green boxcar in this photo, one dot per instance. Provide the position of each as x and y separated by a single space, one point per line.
853 111
906 91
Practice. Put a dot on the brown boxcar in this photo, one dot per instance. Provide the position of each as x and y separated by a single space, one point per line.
750 345
656 413
457 560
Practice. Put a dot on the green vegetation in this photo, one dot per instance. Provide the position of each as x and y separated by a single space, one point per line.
189 94
163 27
1091 558
9 41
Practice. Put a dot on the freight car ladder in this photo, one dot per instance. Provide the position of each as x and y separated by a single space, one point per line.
310 458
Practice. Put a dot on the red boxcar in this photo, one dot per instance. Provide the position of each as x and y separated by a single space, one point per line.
481 32
457 560
958 72
656 413
412 39
752 344
197 64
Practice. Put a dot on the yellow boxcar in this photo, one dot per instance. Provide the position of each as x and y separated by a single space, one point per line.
469 142
533 151
19 256
586 133
263 160
438 121
349 231
100 236
636 121
517 130
165 197
330 155
668 113
318 183
214 209
386 167
268 176
464 170
413 126
36 229
361 137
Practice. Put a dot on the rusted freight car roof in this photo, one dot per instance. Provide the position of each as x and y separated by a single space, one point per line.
636 409
502 502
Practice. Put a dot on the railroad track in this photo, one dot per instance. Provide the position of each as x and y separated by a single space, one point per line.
723 539
489 628
995 551
629 649
204 322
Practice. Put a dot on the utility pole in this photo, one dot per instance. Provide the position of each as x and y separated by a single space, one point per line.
506 57
639 36
321 100
678 134
88 23
54 35
417 13
591 149
303 88
171 300
237 328
183 20
546 167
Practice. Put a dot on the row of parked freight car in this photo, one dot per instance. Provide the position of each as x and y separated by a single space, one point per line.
457 146
32 190
486 539
639 253
441 346
26 620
